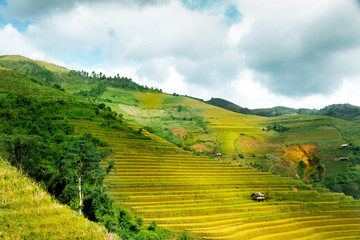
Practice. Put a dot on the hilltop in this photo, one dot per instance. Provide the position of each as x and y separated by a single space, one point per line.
46 65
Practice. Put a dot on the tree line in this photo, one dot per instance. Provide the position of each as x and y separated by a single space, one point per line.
81 77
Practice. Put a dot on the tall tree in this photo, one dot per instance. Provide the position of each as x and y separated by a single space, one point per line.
80 164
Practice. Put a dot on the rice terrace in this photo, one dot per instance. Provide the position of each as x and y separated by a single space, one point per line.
176 167
180 120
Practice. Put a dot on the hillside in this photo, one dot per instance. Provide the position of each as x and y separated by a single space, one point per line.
241 139
28 212
163 184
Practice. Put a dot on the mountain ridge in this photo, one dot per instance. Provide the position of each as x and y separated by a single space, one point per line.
343 111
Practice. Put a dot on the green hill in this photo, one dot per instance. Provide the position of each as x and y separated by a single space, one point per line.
344 111
161 181
28 212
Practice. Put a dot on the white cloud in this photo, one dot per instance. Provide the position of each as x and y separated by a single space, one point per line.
237 31
14 43
297 47
294 53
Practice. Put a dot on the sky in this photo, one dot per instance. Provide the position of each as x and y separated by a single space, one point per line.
255 53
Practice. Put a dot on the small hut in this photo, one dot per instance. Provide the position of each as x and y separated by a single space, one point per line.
218 154
258 196
343 159
345 145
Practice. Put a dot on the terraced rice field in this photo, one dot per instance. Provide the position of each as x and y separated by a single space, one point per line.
160 182
28 212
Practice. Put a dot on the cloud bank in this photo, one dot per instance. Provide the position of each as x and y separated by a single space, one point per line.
254 53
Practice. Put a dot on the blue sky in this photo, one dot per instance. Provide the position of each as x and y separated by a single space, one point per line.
297 53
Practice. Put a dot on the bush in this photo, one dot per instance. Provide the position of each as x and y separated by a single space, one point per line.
139 221
278 127
147 235
152 226
149 129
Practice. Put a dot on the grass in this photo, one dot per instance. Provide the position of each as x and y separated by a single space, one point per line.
28 212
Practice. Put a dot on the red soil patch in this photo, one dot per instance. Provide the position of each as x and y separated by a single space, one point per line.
201 147
179 132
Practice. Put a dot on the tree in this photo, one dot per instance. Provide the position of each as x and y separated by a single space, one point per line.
80 164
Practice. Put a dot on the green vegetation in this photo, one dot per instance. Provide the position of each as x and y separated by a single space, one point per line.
29 212
50 76
278 127
343 111
228 105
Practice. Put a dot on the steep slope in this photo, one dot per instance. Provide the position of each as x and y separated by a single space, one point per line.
28 212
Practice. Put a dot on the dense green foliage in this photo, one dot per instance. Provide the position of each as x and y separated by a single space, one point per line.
346 183
343 111
80 77
278 127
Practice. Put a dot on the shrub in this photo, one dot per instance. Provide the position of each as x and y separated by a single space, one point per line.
152 226
139 221
147 235
278 127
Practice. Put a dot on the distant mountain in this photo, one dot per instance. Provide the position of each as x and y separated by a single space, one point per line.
219 102
343 111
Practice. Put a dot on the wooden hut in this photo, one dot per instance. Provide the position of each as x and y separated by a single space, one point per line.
258 196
